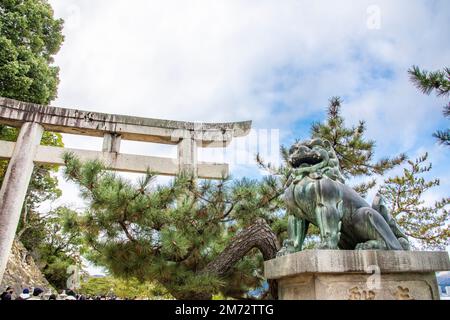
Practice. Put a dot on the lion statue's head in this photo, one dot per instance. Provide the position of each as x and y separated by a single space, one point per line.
315 156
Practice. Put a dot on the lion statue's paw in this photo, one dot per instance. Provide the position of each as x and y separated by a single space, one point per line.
405 244
371 245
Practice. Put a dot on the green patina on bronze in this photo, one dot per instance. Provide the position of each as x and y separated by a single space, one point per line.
316 194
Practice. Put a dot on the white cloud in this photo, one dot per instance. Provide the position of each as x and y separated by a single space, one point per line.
217 60
270 61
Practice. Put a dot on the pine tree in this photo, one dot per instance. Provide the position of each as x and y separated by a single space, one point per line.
438 81
200 238
405 197
354 151
355 154
196 238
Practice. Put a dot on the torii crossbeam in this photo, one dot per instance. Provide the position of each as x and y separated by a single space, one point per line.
34 119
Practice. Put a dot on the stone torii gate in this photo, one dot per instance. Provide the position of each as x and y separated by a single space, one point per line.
34 119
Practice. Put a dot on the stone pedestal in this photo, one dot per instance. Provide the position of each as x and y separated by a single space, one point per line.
357 275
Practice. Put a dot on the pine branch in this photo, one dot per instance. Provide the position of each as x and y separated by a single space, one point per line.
428 81
446 111
443 137
334 107
126 231
364 187
404 195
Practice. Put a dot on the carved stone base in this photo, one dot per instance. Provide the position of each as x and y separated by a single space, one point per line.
358 275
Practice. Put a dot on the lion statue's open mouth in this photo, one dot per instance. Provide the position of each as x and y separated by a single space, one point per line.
314 156
304 157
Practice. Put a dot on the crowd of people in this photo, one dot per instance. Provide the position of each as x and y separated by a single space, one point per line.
39 294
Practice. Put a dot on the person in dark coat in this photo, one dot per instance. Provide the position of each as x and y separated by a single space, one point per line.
7 294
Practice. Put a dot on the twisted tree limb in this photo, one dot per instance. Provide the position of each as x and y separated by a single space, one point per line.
258 235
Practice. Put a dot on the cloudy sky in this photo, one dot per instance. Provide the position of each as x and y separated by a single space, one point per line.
274 62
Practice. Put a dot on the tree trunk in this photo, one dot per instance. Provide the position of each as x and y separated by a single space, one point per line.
258 235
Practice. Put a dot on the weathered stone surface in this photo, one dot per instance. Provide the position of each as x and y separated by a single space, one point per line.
15 184
357 275
399 286
75 121
121 161
22 272
338 261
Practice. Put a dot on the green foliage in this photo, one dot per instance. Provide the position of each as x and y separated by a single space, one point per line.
428 82
443 136
33 228
52 245
405 196
169 233
438 81
354 151
29 37
123 288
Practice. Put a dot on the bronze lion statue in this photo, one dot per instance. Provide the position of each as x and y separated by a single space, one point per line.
316 193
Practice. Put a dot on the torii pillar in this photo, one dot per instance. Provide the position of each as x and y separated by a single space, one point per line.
15 185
